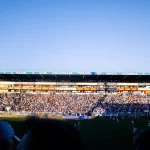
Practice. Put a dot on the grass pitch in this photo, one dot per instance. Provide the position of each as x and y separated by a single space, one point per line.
99 133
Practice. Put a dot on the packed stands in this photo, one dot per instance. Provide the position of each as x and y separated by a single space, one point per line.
74 93
74 104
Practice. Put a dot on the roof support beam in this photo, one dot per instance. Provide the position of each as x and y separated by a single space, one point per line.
42 76
137 77
28 76
124 77
55 76
97 77
15 76
111 76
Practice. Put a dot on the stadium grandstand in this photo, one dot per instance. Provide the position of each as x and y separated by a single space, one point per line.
75 93
74 81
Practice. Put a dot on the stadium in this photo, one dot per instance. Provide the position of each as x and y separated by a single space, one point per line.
115 97
87 104
75 93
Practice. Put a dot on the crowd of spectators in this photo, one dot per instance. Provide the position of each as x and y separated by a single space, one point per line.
59 103
74 103
125 102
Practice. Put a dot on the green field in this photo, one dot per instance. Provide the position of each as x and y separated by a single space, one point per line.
99 133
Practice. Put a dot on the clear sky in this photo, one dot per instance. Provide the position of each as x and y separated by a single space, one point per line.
75 35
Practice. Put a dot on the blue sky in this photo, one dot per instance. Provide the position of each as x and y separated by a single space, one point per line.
75 35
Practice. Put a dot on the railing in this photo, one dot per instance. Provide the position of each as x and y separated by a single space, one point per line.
121 114
30 113
124 114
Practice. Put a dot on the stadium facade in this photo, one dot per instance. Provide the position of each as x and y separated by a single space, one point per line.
75 82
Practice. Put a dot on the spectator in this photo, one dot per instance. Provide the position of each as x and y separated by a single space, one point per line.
142 140
7 136
46 134
73 104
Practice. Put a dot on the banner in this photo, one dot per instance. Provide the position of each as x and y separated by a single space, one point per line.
31 88
25 88
52 89
120 89
127 89
141 89
93 89
79 89
15 88
12 88
106 115
38 88
87 89
134 89
4 88
78 73
110 89
76 117
147 92
101 89
45 88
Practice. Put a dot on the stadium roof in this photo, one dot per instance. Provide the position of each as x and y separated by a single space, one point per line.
76 76
77 73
